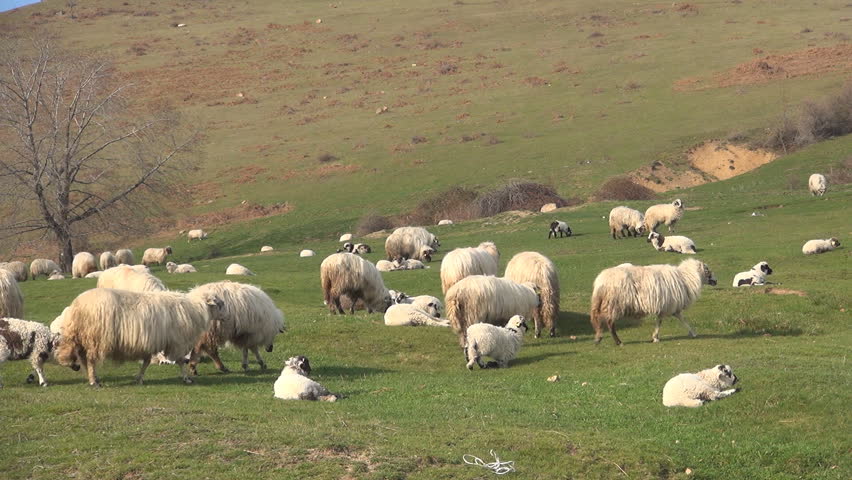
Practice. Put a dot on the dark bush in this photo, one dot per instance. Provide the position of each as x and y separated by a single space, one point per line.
623 188
814 121
326 157
517 195
372 222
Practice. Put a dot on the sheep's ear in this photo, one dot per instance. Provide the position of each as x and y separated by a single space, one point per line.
721 367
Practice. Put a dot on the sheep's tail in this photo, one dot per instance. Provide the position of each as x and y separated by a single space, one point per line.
325 280
550 307
455 313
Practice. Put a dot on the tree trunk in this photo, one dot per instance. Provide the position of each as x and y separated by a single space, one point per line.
66 252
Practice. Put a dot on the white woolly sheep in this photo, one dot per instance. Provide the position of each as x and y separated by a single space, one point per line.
672 243
629 291
351 275
486 299
136 268
668 213
409 264
267 248
83 264
535 268
696 389
346 247
56 324
94 274
196 234
121 325
294 384
249 319
445 221
817 184
56 275
559 227
11 298
237 269
408 242
125 256
124 277
155 255
755 276
405 315
43 266
464 262
361 248
21 339
626 222
346 237
307 253
108 260
18 270
500 343
173 267
385 266
812 247
427 303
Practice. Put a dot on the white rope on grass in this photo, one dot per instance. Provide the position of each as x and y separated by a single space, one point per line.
500 468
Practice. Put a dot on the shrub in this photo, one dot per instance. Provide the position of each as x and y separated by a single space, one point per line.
372 222
326 157
815 120
623 188
841 173
517 195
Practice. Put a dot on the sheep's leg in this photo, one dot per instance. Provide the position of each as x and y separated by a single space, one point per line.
656 336
145 363
89 365
679 316
338 306
537 320
245 359
213 353
259 359
184 373
611 325
692 402
38 366
722 394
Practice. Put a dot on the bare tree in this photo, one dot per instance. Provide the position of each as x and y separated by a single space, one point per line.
74 148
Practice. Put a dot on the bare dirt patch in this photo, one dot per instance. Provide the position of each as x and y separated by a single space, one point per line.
724 161
785 291
659 177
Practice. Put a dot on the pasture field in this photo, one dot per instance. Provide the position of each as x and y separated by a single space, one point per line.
412 409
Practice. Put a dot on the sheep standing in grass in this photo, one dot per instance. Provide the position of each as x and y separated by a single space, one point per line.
237 269
464 262
405 315
350 275
11 298
445 221
20 339
196 234
672 243
667 213
155 255
294 384
43 266
755 276
125 256
696 389
629 291
408 242
560 228
108 260
812 247
83 264
817 184
19 270
626 222
500 343
535 268
173 267
124 277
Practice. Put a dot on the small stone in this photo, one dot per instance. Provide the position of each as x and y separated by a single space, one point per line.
319 20
573 337
553 378
584 384
688 471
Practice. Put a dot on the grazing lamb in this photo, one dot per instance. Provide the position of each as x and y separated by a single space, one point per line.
629 291
56 275
155 255
173 267
346 237
249 320
408 242
500 343
18 270
108 260
464 262
559 227
196 234
405 315
672 243
124 277
83 264
11 298
294 384
812 247
817 184
21 339
626 222
668 213
125 256
755 276
696 389
237 269
351 275
445 221
121 325
266 248
43 266
486 299
307 253
535 268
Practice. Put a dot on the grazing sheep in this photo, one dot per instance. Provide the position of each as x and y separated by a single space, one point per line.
672 243
346 237
108 260
124 277
249 319
626 222
629 291
351 275
755 276
294 384
817 184
18 270
155 255
500 343
559 227
56 275
94 275
83 264
307 253
121 325
408 242
464 262
43 266
173 267
812 247
535 268
11 298
486 299
696 389
668 213
21 339
196 234
125 256
266 248
237 269
405 315
445 221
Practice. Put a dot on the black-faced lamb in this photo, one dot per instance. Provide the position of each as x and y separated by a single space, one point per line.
351 275
664 213
671 243
626 222
500 343
294 384
11 298
559 227
405 315
696 389
464 262
817 184
21 339
755 276
347 247
535 268
155 255
812 247
83 264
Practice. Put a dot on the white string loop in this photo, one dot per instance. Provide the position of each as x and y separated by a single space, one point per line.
500 468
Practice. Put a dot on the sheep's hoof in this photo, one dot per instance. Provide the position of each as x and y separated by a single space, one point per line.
552 333
470 367
693 334
225 370
187 380
95 385
42 384
139 381
262 366
30 378
492 365
655 340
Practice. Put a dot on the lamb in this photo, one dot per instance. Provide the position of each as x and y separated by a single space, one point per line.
486 299
346 237
43 266
536 268
249 319
445 221
560 228
307 253
385 266
629 291
672 243
361 248
817 184
426 303
623 219
21 339
696 389
196 234
18 270
56 275
500 343
812 247
173 267
463 262
407 242
123 277
426 253
11 298
108 260
125 256
155 255
237 269
266 248
94 274
351 275
83 264
347 247
294 384
121 325
755 276
409 264
668 213
405 315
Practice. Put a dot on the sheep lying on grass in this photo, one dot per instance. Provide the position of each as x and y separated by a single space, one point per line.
20 339
350 275
237 269
43 266
667 213
266 248
408 264
94 274
11 298
812 247
672 243
696 389
18 270
294 384
755 276
405 315
155 255
500 343
173 267
626 222
307 253
385 266
817 184
464 262
559 227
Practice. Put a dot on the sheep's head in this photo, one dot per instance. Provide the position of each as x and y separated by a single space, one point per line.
656 239
168 250
384 303
517 324
435 243
640 227
678 203
171 267
299 364
426 253
763 267
707 275
834 242
397 297
721 376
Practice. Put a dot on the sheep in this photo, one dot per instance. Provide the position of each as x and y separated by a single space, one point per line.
249 319
755 276
196 234
426 253
361 248
463 262
623 219
294 384
817 184
107 260
351 275
94 274
105 323
307 253
11 298
266 248
672 243
409 264
500 343
125 256
155 255
18 269
123 277
346 237
136 268
56 324
629 291
83 264
426 303
21 339
668 213
56 275
346 247
486 299
237 269
812 247
173 267
405 315
536 268
43 266
407 242
560 228
696 389
398 297
385 266
445 221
